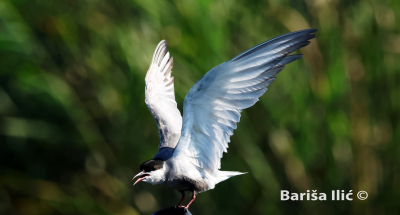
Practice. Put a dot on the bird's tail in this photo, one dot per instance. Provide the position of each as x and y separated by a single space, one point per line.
223 175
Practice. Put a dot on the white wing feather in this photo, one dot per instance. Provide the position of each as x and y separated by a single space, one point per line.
213 105
160 97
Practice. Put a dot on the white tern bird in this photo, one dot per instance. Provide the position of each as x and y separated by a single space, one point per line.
189 155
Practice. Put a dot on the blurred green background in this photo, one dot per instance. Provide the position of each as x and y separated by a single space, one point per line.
74 127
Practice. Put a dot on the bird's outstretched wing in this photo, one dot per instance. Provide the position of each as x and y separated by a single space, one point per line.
160 99
213 105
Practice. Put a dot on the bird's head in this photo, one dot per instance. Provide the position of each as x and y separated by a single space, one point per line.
152 172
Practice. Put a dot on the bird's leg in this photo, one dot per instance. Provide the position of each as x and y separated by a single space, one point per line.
183 198
191 201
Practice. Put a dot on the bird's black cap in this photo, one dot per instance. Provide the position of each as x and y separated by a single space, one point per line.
151 165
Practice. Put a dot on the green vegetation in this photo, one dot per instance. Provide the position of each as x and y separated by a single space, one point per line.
74 127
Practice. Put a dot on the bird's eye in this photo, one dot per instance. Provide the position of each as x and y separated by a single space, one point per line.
153 168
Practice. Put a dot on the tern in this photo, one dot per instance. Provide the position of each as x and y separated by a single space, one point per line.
190 150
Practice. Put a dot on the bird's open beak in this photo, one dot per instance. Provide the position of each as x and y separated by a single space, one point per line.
141 175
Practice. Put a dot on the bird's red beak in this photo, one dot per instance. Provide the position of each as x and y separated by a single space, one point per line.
141 175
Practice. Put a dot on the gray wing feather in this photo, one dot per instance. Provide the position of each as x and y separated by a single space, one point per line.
160 99
213 105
